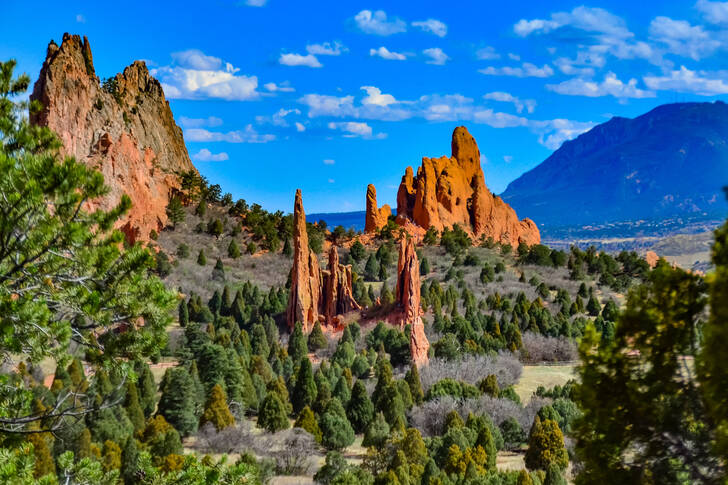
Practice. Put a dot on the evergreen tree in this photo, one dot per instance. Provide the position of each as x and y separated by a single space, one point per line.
201 208
133 409
218 272
130 462
415 386
489 386
216 410
524 478
175 211
111 456
336 430
486 441
287 249
160 438
316 339
304 393
201 258
44 464
183 314
424 267
554 476
371 269
360 410
342 391
357 251
233 249
546 446
593 306
307 420
178 401
297 347
272 414
377 432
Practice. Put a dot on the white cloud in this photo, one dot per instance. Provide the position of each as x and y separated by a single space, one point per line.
596 20
278 118
520 104
377 23
514 57
353 129
256 3
610 86
498 120
436 55
525 70
385 53
206 155
199 122
686 81
487 54
195 75
325 105
247 135
713 12
682 39
284 87
552 133
329 161
507 158
433 26
80 18
331 181
300 127
375 97
449 107
290 59
327 49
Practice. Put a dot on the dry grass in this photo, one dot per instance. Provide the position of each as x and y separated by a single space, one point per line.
510 460
542 375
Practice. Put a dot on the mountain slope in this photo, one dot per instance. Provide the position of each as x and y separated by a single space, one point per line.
669 162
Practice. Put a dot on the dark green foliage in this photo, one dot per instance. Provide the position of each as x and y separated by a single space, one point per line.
233 249
377 433
304 393
201 258
360 410
546 446
335 427
455 241
297 347
175 211
131 405
316 339
357 251
272 414
307 420
201 208
371 269
216 410
415 386
178 401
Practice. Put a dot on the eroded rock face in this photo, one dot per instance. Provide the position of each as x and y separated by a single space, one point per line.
652 258
337 298
376 218
452 190
305 296
407 297
126 131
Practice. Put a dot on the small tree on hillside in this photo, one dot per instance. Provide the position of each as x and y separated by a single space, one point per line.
233 249
272 414
201 258
316 339
307 420
546 446
175 211
216 410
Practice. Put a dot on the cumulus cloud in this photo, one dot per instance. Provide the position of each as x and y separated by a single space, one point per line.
329 161
686 81
377 23
713 12
514 57
498 120
520 104
256 3
326 105
300 127
552 133
436 55
326 49
206 155
200 122
80 18
375 97
278 118
291 59
524 70
284 87
610 86
195 75
683 39
247 135
487 54
353 129
432 26
507 158
385 53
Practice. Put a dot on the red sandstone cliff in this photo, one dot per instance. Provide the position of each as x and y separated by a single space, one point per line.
376 218
452 190
407 298
126 130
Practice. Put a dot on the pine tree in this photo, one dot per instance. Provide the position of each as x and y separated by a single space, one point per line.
130 462
336 430
360 410
111 456
183 314
524 478
218 272
297 347
307 420
175 211
201 258
160 438
424 267
554 476
44 464
305 391
371 269
546 446
287 249
415 386
133 408
487 442
216 410
316 339
272 414
178 401
593 306
233 249
377 432
201 208
489 386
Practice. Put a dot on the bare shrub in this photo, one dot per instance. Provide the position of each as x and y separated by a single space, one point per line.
540 348
293 450
473 368
429 417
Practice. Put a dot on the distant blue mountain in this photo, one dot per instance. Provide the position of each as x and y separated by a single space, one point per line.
670 162
347 219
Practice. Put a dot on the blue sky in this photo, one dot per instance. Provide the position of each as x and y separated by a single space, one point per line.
330 96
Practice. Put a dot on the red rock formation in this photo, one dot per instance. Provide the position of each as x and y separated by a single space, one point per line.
376 218
652 258
337 298
449 191
305 296
126 130
407 297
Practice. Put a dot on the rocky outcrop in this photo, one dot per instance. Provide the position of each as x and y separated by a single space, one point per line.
452 190
337 298
124 128
305 296
652 258
407 297
376 218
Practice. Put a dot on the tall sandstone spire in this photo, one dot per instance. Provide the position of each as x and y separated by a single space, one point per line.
407 297
337 298
124 128
376 218
452 190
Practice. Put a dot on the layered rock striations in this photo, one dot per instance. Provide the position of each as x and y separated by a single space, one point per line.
376 217
407 298
452 190
123 127
316 295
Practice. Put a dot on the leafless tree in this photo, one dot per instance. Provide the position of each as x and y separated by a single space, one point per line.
540 348
473 368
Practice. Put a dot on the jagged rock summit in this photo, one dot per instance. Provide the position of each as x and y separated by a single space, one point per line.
123 127
452 190
316 295
408 300
376 217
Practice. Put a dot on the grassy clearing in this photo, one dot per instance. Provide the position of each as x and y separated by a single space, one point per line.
542 375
